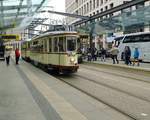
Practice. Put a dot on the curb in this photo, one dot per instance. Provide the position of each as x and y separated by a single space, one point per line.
120 66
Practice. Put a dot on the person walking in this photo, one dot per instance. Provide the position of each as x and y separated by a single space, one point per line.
89 55
17 55
103 54
114 53
127 55
136 57
7 56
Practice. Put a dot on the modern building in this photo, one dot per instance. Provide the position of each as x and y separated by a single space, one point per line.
92 7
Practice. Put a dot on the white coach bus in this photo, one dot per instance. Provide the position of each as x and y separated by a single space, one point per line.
135 40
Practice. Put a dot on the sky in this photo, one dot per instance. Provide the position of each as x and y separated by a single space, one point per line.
59 5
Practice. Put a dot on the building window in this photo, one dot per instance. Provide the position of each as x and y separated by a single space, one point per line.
77 12
101 9
87 7
97 3
93 4
106 7
90 5
84 9
111 5
101 2
80 11
141 5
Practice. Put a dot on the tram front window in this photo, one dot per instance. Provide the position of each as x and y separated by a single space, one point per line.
71 44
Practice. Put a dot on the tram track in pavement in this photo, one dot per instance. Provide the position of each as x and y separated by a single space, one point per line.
111 87
116 74
76 76
96 98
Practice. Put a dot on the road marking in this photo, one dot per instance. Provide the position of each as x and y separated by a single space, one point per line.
144 114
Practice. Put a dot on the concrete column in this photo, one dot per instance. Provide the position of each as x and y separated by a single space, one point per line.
104 41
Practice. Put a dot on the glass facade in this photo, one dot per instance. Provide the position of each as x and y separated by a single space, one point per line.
128 22
12 12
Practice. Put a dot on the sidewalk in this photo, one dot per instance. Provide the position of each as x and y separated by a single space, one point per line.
143 66
16 101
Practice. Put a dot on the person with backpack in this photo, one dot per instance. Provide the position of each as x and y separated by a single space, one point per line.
136 57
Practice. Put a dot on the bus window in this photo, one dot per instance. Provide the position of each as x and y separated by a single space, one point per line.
71 43
137 38
146 38
127 39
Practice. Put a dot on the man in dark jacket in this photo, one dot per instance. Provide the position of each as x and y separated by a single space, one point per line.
127 54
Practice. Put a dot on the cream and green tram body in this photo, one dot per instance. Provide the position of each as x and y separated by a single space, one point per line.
25 50
55 51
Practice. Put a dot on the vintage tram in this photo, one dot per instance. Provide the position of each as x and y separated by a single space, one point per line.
55 51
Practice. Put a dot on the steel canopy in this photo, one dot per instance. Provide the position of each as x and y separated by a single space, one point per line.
12 12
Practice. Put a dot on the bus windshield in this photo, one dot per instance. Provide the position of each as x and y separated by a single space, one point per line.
71 43
118 40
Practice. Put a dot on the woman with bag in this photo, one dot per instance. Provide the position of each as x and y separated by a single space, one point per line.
17 55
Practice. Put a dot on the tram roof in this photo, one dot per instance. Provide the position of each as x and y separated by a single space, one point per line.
54 33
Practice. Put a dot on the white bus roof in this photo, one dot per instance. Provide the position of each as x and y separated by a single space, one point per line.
133 34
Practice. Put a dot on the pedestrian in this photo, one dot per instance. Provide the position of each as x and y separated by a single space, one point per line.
17 55
136 57
7 56
114 53
89 55
103 54
127 55
95 54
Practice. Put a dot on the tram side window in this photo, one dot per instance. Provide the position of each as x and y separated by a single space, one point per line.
45 45
35 46
61 44
40 46
28 48
55 44
71 44
50 45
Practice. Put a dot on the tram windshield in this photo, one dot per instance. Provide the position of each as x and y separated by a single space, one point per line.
71 43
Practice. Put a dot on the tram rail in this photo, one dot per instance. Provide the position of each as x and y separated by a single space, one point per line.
137 97
113 88
100 100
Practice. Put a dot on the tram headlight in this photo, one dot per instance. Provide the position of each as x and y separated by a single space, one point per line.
72 60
